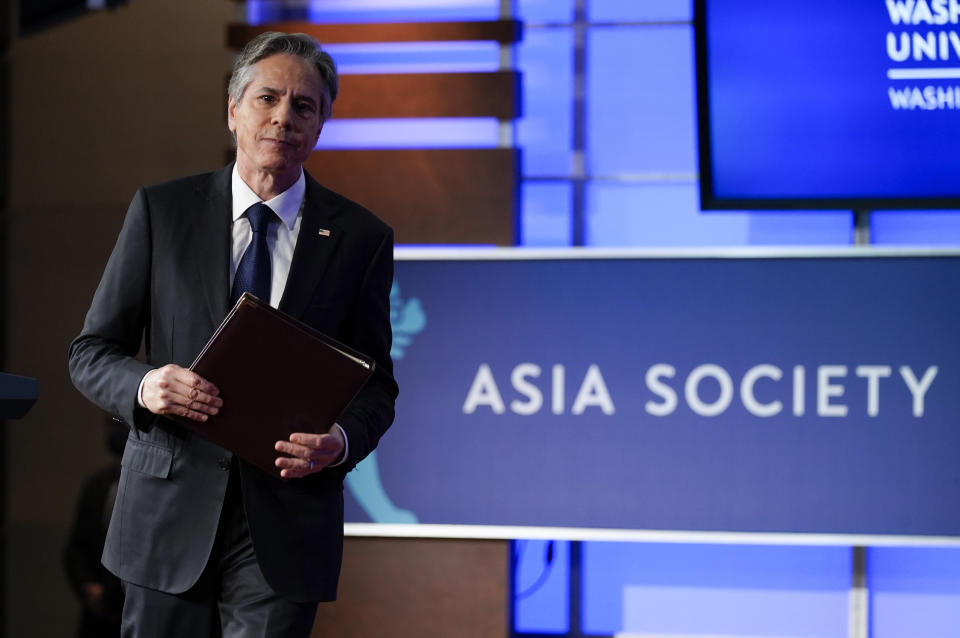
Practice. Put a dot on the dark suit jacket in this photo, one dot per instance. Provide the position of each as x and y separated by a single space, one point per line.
167 282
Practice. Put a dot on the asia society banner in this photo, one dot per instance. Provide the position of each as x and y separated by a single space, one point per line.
804 395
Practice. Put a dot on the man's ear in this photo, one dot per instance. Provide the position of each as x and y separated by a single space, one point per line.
231 107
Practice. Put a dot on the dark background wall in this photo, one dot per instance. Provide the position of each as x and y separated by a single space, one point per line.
98 106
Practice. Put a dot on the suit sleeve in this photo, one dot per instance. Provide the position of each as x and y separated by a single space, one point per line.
102 358
368 330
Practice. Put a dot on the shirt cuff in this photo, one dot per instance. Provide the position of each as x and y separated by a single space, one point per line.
346 447
140 389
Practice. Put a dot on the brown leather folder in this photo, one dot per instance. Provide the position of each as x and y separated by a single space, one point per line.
276 376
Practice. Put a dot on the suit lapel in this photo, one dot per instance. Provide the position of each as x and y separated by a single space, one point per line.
211 238
316 244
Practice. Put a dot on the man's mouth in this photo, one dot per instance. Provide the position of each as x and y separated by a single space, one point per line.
279 141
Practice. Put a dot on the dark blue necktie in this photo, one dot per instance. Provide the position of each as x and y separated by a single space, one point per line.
253 271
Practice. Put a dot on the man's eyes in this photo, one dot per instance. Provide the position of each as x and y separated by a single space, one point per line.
304 108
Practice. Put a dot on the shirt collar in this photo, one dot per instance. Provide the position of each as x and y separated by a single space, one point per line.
286 205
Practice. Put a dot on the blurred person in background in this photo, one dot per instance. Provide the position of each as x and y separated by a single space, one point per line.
99 591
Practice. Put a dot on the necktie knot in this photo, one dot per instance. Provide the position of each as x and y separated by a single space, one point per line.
260 216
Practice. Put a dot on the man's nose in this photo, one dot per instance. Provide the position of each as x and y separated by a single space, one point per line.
283 113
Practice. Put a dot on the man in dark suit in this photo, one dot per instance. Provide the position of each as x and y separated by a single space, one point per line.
206 544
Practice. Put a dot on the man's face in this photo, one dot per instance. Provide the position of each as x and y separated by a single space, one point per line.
278 118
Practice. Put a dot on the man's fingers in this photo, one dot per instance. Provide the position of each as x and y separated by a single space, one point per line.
194 415
309 446
173 372
306 439
315 441
191 386
309 453
194 398
294 467
301 451
173 390
199 384
176 395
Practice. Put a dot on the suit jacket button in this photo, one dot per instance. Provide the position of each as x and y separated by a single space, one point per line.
224 464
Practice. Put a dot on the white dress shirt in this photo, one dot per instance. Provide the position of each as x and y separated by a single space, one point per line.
282 238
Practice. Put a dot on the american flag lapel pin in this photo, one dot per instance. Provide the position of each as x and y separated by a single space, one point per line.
324 232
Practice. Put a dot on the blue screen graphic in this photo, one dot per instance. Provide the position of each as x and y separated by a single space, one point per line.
812 395
811 101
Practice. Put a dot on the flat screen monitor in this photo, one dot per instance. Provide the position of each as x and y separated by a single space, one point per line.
838 105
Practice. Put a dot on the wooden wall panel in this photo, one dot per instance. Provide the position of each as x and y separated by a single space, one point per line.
494 94
419 588
429 196
503 31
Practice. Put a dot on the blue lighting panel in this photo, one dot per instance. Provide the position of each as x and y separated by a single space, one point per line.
665 214
348 11
545 132
620 11
450 132
914 591
545 10
915 227
415 57
541 592
667 589
668 214
261 11
792 228
545 218
640 97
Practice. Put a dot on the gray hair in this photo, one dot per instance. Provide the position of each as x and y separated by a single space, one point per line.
300 45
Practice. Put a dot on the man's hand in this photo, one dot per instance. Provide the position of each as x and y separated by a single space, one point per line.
309 453
172 390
